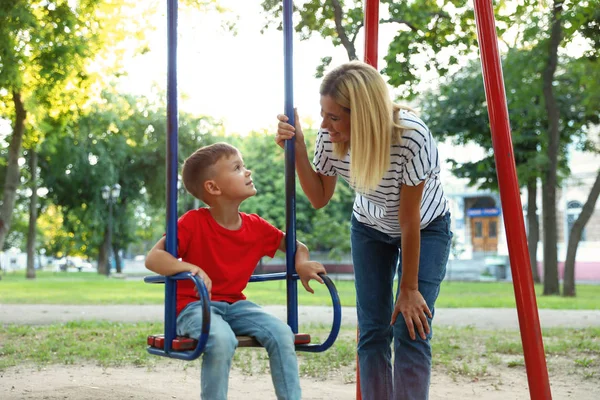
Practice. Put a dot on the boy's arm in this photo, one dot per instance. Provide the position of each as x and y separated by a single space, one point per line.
305 268
163 263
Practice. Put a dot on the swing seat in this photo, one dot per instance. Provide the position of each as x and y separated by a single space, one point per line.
182 343
185 348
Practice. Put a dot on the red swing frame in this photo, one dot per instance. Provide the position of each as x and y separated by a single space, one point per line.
529 323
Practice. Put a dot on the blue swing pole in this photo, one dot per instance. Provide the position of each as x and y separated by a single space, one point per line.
290 171
170 282
171 165
171 236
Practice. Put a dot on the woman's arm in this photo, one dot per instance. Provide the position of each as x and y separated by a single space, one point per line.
409 217
410 302
318 188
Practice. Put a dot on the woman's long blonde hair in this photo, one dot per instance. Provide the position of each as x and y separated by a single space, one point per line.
360 89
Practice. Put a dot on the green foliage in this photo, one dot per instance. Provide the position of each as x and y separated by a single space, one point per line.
434 34
43 47
327 229
120 140
431 33
318 16
457 110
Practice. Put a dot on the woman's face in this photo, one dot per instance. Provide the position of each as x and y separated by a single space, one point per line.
336 120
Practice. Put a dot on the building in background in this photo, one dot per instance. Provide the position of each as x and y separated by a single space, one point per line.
479 245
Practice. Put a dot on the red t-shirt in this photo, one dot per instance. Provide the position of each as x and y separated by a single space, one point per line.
228 257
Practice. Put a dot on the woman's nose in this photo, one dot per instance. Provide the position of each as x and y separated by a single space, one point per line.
324 123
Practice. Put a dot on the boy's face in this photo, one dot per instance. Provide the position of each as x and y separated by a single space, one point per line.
233 179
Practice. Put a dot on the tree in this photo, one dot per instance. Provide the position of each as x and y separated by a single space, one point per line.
550 181
429 33
456 110
120 140
439 34
566 22
45 48
42 45
575 237
31 234
589 72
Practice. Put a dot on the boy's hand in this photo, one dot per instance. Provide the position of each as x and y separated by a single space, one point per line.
195 270
310 270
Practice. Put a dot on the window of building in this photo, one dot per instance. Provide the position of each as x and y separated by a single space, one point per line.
478 229
493 229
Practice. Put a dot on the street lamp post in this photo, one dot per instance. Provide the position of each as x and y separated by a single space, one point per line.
110 195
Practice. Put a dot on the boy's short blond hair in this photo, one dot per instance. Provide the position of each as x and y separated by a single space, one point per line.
198 168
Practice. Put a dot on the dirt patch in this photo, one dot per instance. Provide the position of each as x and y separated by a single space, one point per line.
178 380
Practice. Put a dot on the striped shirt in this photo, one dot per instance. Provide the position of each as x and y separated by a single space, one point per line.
412 161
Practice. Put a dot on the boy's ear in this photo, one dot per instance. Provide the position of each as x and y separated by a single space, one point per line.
211 187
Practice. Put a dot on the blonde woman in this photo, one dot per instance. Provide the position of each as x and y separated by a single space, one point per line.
400 221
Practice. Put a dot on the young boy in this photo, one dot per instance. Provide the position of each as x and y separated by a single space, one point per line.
223 246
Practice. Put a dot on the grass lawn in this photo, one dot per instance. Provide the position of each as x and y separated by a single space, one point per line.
458 351
91 288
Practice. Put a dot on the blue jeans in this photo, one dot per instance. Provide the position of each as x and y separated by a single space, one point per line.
247 319
375 256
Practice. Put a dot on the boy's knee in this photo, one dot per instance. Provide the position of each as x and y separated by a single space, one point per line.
191 327
281 329
283 335
223 344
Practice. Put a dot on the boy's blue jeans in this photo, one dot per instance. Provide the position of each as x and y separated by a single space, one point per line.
241 318
375 256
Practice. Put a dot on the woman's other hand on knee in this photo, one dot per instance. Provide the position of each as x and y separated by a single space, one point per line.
415 311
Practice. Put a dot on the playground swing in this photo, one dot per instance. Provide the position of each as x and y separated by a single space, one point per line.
184 348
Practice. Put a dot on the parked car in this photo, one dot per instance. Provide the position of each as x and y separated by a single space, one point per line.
70 263
81 265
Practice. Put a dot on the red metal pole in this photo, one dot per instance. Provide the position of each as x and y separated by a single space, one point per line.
531 335
371 41
371 31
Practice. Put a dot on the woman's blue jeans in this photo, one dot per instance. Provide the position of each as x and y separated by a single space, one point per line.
375 256
247 319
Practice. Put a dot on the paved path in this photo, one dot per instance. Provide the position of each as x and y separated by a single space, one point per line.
486 318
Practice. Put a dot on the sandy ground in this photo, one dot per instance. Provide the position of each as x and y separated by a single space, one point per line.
181 381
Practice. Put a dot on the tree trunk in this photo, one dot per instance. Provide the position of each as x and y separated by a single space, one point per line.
33 203
348 44
13 173
533 227
575 237
551 285
118 261
103 255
